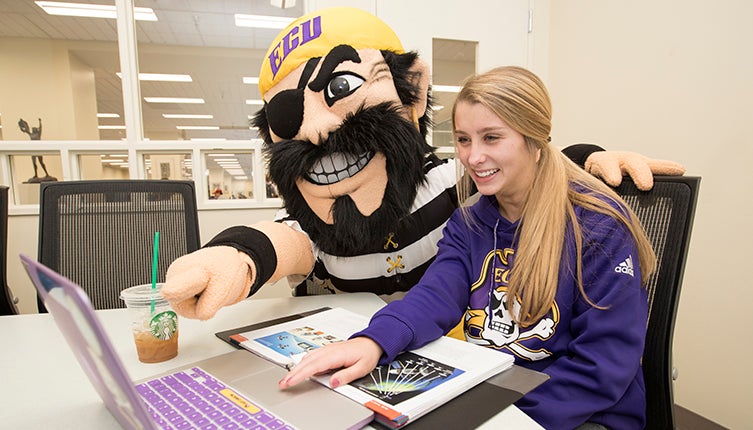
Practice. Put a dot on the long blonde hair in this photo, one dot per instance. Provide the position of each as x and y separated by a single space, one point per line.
519 98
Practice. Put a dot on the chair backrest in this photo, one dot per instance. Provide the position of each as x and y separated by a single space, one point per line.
7 301
667 213
100 234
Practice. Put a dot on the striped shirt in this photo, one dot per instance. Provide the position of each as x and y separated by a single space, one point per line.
399 262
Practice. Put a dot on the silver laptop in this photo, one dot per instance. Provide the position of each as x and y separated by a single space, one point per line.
233 390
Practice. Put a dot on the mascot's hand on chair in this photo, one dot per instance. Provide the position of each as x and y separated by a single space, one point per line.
365 199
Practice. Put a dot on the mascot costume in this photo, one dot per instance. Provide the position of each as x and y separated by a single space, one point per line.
345 115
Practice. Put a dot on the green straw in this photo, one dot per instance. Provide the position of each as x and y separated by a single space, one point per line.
155 254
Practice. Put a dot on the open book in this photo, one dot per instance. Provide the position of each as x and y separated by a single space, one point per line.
415 383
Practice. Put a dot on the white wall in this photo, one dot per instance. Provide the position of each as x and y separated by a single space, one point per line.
674 80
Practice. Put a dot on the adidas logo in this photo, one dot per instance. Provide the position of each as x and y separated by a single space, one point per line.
626 267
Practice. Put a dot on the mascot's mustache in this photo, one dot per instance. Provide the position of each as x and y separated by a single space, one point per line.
348 149
378 129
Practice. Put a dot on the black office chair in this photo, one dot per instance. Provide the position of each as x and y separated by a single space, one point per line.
100 234
7 300
666 213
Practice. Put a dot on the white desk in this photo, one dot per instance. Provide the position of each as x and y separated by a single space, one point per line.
43 387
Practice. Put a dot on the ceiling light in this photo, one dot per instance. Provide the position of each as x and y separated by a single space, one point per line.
93 10
108 115
197 127
111 127
185 116
262 21
165 77
250 80
446 88
254 102
161 77
173 100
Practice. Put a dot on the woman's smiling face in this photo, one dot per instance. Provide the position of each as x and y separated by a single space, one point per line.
497 157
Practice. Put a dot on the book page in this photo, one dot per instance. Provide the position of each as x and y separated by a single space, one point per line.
420 380
286 343
413 384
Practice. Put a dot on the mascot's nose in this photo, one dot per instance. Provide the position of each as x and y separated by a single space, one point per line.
285 113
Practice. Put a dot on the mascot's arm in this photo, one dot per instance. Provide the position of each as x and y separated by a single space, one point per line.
234 265
610 166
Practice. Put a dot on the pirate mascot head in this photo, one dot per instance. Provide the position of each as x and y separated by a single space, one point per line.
344 121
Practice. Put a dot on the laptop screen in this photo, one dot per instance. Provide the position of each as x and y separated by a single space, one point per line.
74 315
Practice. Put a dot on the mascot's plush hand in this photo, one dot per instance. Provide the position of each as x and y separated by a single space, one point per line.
198 284
610 166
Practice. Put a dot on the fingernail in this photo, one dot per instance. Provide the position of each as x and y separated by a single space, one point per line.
334 383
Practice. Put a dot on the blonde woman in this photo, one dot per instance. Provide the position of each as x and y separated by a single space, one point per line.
548 265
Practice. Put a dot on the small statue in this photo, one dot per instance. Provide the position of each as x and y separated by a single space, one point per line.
36 134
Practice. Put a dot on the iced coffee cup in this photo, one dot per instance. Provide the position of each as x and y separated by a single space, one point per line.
154 323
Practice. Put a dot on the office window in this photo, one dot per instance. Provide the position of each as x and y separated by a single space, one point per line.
452 62
175 166
53 75
229 175
198 66
27 171
112 165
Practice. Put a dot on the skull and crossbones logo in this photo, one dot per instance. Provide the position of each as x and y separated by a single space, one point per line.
501 330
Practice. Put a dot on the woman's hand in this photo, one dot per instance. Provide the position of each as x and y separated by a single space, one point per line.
355 358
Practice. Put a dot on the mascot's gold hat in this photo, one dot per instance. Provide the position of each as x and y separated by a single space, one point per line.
315 34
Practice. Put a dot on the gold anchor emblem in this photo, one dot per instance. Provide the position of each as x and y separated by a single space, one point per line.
395 264
390 242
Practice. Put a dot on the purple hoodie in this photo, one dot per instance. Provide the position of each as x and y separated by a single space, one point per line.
591 355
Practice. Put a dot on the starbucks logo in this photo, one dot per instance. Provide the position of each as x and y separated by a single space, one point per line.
164 325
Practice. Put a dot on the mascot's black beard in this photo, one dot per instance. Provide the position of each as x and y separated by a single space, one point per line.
377 129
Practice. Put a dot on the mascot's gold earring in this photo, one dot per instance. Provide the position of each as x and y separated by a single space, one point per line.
414 116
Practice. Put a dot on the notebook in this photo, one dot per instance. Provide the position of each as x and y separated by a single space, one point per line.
233 390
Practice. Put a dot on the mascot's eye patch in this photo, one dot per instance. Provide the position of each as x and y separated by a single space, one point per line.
285 113
341 86
285 110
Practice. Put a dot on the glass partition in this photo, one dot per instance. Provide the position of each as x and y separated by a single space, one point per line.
55 71
112 165
27 171
452 62
198 68
174 166
230 175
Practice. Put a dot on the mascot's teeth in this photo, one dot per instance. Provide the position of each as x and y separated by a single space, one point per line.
335 167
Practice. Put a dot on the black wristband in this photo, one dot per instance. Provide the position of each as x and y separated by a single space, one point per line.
253 243
579 152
